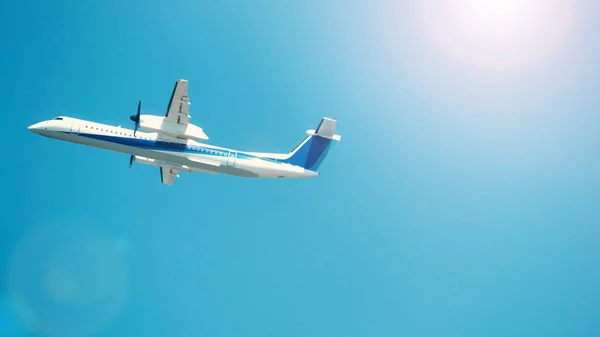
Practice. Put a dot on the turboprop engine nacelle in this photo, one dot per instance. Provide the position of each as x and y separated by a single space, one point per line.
158 124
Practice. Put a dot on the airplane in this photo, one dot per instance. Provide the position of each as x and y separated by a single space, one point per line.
171 143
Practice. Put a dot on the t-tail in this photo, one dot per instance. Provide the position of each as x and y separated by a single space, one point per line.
314 148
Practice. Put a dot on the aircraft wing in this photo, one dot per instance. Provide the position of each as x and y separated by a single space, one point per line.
168 175
179 104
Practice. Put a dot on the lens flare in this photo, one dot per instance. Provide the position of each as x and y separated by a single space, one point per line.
496 34
66 280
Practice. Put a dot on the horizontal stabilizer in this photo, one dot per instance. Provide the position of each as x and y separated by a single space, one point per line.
312 151
326 129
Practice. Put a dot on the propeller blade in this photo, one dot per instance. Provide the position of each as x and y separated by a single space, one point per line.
136 119
131 161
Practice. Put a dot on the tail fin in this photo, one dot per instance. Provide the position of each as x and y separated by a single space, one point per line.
314 148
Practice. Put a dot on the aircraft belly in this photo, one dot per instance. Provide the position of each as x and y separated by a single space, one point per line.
183 159
243 167
268 169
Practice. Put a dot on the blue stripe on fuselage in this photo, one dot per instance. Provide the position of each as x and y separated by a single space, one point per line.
159 145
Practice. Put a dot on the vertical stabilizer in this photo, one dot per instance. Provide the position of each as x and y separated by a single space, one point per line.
314 148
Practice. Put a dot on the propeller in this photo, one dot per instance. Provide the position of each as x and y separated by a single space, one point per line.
136 118
131 160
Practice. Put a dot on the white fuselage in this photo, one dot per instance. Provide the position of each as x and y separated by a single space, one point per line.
180 154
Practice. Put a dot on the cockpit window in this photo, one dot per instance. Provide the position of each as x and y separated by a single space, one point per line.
58 119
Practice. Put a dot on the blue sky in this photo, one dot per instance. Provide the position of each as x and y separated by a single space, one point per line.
462 200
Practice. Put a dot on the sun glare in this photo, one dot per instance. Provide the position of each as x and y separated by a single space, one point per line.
496 34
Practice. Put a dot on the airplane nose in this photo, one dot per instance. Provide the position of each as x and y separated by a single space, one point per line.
35 128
